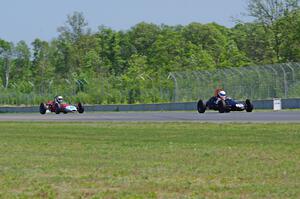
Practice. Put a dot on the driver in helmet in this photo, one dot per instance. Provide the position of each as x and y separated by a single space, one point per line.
59 99
220 94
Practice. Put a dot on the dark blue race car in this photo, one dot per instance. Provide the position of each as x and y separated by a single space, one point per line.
224 106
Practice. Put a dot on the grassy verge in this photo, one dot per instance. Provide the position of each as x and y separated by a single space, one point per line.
149 160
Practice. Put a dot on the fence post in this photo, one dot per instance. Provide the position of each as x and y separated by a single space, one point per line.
284 81
171 75
293 71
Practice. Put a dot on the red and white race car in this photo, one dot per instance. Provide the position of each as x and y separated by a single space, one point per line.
58 106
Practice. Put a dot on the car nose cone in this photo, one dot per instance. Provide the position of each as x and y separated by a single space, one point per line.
71 109
239 105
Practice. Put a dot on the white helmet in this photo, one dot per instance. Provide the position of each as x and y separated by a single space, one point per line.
222 94
59 99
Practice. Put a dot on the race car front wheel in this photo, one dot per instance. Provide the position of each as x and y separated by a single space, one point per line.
249 105
57 108
201 107
80 108
222 106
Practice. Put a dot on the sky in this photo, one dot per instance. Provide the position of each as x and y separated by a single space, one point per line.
30 19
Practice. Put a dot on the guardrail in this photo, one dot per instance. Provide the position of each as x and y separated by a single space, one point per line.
184 106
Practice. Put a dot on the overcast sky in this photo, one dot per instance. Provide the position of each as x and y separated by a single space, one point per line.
30 19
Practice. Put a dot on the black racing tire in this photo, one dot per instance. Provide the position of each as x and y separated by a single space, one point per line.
57 108
80 108
221 106
201 107
249 106
43 108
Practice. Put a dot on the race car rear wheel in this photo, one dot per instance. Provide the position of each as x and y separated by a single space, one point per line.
249 105
222 106
80 108
43 108
201 107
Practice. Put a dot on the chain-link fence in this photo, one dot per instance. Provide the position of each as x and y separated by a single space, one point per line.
28 93
255 82
102 90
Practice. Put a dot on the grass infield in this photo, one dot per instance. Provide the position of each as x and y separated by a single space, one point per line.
149 160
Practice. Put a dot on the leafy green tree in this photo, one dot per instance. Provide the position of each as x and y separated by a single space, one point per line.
6 57
209 38
118 63
62 57
253 40
267 12
73 42
290 37
75 27
167 52
104 37
22 62
135 78
42 69
142 36
197 58
233 57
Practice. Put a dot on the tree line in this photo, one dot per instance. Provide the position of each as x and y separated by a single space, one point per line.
133 66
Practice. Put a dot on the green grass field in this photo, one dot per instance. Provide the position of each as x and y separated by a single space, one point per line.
149 160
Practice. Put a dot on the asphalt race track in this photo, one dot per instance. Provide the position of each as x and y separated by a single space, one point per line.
241 117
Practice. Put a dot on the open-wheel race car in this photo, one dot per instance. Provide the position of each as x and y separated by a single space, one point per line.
58 106
220 102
